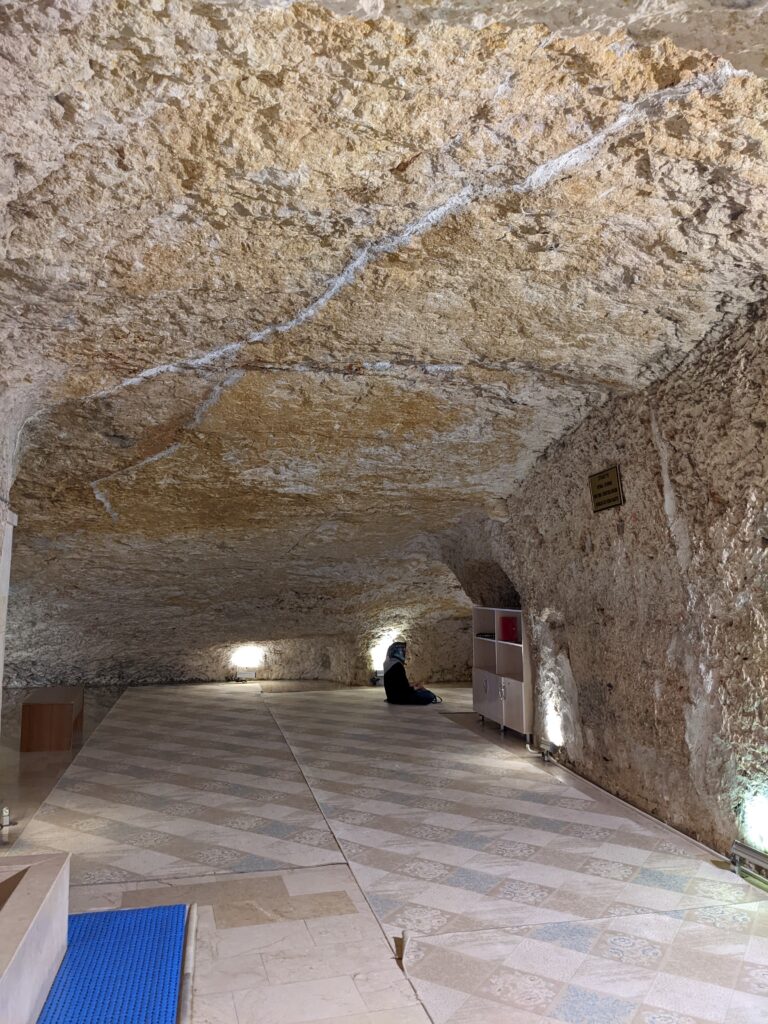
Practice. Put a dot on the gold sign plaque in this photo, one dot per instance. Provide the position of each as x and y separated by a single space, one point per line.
606 489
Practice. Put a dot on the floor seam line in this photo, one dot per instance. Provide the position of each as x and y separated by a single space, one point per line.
349 866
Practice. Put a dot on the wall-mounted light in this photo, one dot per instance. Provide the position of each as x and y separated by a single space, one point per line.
750 864
246 658
750 855
755 821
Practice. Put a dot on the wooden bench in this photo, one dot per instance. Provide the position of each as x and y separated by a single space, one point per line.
52 719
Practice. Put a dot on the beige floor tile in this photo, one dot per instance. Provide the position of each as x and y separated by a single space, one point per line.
625 980
94 897
694 963
322 879
546 959
329 961
148 863
476 1010
402 1015
574 905
757 949
229 973
442 1001
283 908
453 969
351 928
207 937
275 937
493 944
70 841
385 989
299 1003
215 891
214 1009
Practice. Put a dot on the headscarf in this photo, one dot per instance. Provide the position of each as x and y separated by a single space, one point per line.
395 654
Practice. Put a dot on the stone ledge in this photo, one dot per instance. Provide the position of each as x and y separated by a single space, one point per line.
33 931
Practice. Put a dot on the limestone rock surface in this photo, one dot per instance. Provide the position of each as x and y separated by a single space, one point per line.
735 29
293 300
650 621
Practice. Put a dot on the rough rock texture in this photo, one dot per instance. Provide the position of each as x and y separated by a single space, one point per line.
650 621
7 523
341 660
295 302
438 652
736 29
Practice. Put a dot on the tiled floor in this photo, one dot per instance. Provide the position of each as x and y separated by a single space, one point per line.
27 779
192 795
175 781
278 947
527 898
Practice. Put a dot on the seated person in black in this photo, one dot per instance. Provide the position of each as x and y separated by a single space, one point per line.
398 689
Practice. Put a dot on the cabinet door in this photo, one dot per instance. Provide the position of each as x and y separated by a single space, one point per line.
479 687
494 706
518 706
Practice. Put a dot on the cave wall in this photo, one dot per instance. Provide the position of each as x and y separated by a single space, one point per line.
7 523
441 652
14 409
438 652
340 659
650 622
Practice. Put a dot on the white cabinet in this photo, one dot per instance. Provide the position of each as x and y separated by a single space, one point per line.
502 689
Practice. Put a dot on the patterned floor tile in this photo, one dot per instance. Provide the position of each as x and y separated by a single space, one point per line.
526 897
569 908
222 797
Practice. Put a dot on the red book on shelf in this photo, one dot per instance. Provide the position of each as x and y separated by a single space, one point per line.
508 629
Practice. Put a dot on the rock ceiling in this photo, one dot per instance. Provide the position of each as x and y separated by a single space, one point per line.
289 296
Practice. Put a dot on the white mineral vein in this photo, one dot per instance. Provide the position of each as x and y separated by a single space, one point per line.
208 402
645 108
